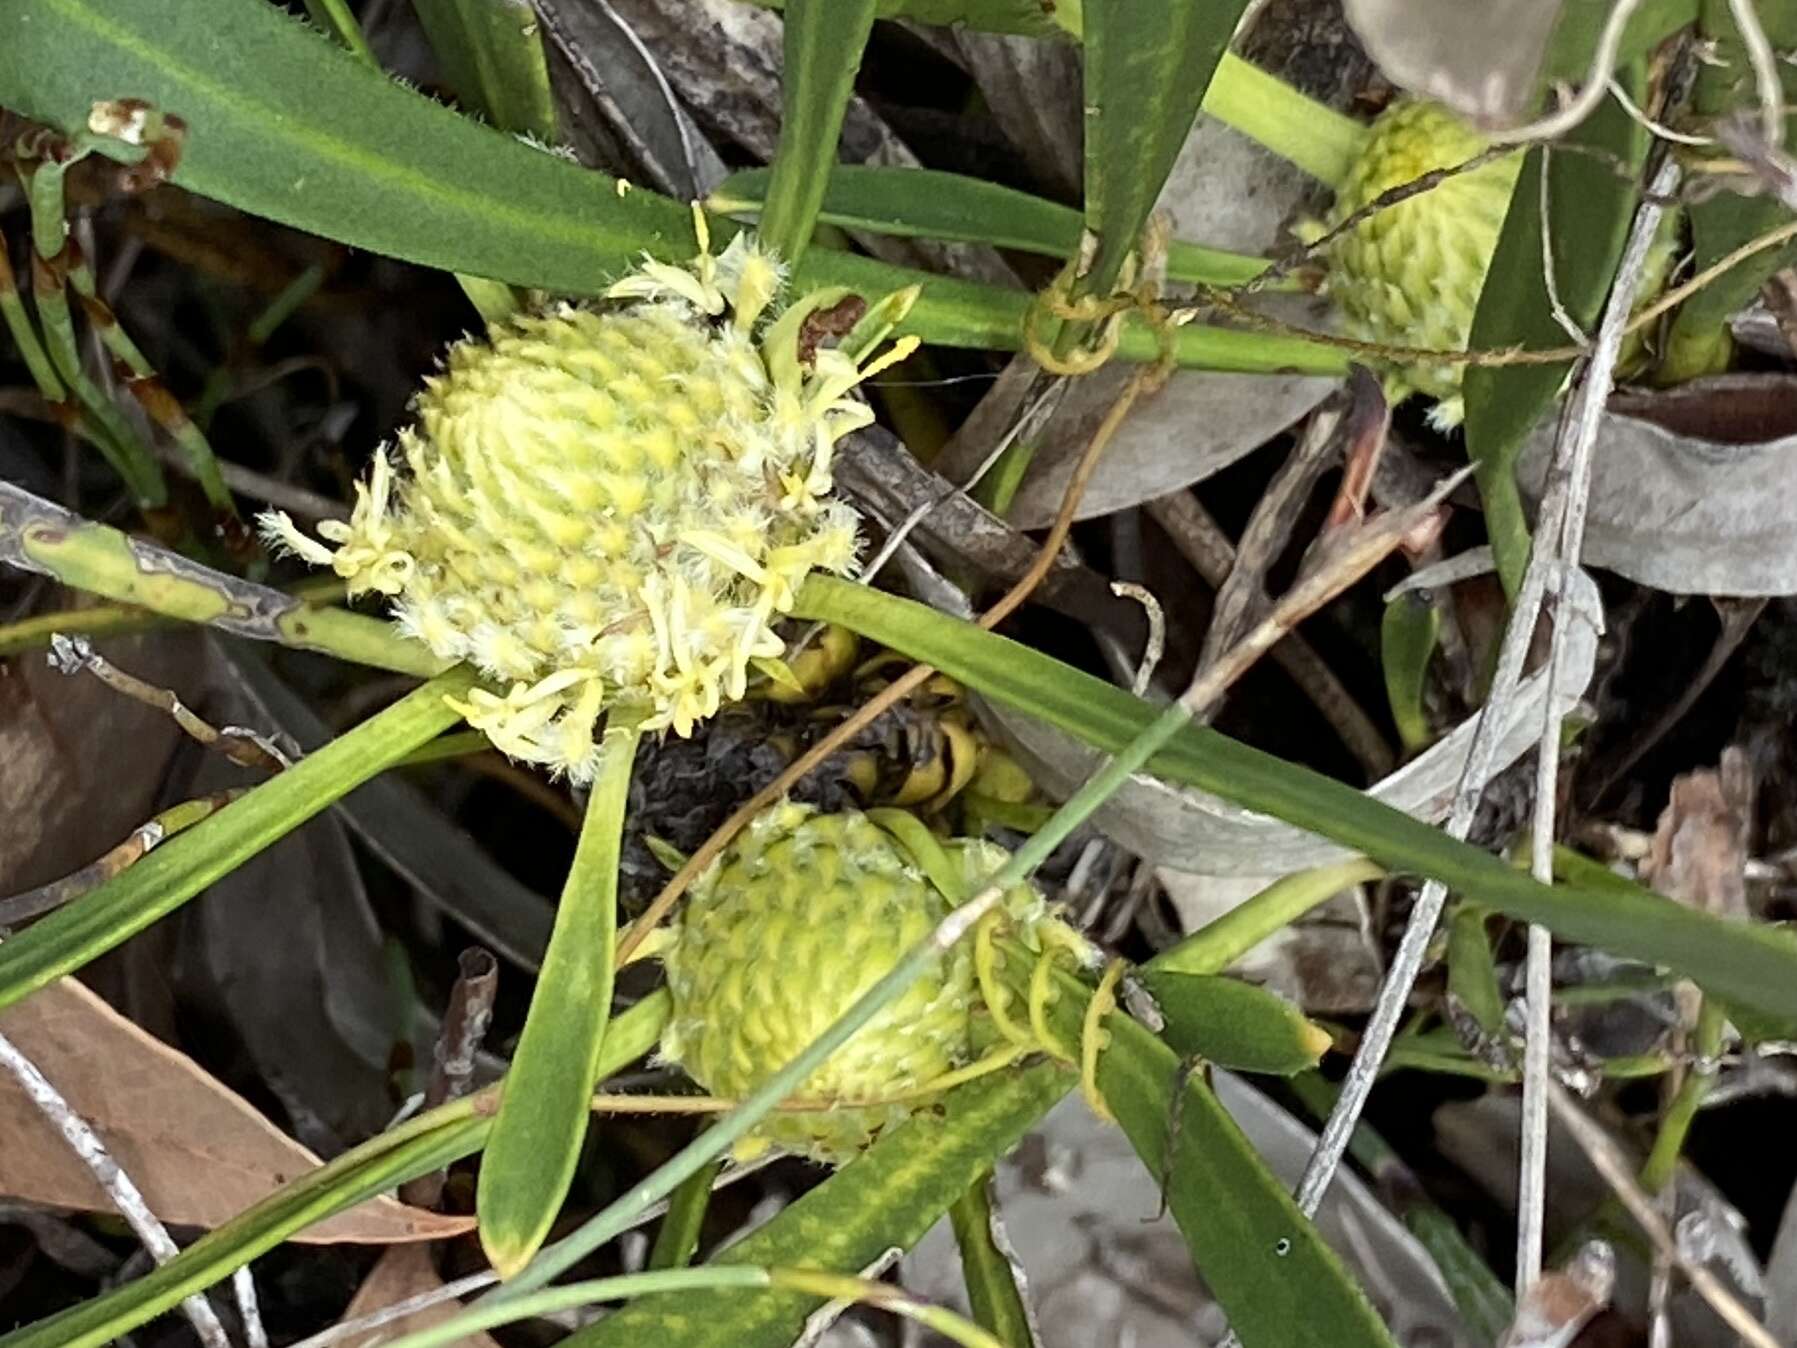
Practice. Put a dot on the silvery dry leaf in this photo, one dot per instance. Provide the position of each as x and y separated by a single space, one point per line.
1482 60
1690 488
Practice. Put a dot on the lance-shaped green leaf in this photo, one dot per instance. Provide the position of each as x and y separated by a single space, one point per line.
543 1108
822 48
321 142
1589 209
1750 963
1148 63
1234 1024
492 55
992 1291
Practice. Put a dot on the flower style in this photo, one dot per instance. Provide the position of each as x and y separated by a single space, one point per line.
608 506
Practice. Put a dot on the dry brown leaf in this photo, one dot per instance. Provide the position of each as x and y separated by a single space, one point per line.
200 1152
1699 851
401 1273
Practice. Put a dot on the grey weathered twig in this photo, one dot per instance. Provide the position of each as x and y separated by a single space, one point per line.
1559 535
244 747
125 1195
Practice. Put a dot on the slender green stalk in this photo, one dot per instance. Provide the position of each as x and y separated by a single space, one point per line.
1312 135
335 18
1220 943
115 438
39 535
992 1291
678 1239
823 40
1669 1143
543 1111
24 335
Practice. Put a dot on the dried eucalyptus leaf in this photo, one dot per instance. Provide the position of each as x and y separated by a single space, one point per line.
1080 1206
1482 60
1690 488
1190 830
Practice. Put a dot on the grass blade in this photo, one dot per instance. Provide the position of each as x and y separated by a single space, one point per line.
1590 208
543 1109
992 1292
1751 964
492 54
169 876
918 203
822 43
1148 63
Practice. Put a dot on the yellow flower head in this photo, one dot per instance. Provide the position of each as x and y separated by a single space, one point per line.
609 505
1410 274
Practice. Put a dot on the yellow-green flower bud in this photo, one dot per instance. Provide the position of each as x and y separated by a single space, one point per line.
1410 274
609 505
799 917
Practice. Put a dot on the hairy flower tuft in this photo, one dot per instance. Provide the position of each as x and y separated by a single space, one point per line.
609 505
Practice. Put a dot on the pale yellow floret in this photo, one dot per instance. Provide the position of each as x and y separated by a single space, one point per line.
611 506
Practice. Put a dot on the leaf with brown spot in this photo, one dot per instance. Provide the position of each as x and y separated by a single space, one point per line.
198 1151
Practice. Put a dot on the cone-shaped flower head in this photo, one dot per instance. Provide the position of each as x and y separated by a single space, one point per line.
802 914
1410 274
609 505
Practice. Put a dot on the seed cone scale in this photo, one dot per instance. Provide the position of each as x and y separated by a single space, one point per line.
608 506
798 918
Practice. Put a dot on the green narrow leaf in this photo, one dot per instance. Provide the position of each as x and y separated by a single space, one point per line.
823 42
1249 1241
992 1292
1234 1024
678 1238
322 143
335 18
1222 941
1472 972
415 1147
1699 342
1148 63
918 203
889 1196
1752 963
492 55
1407 637
1590 209
172 874
549 1087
